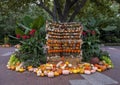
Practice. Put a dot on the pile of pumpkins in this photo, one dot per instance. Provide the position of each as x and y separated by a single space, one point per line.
5 45
61 68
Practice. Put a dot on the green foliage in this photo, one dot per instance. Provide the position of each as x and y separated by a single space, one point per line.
110 38
98 20
109 28
91 45
104 12
19 31
31 51
104 16
38 22
6 25
23 27
27 21
25 15
6 40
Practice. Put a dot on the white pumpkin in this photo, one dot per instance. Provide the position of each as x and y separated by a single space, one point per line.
35 69
65 72
94 68
45 72
87 72
93 71
51 74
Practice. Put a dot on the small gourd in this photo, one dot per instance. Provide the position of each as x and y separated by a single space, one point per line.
81 71
87 72
21 70
75 71
51 74
39 72
12 67
42 74
65 72
56 73
93 71
35 69
30 68
45 73
99 70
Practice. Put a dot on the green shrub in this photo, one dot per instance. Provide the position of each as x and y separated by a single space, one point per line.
32 40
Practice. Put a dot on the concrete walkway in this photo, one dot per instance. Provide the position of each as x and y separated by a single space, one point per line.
109 77
115 56
94 79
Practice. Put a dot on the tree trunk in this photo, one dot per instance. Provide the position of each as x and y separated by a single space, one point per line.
54 13
63 15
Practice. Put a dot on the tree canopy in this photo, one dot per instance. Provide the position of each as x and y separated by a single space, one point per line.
59 10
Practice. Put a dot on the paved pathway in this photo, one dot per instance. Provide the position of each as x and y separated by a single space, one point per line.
94 79
115 56
110 77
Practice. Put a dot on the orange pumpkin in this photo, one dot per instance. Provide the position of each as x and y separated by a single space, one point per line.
87 68
59 71
103 68
18 63
12 67
56 73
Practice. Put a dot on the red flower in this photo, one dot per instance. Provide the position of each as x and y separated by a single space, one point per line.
93 32
18 36
32 32
24 37
83 33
